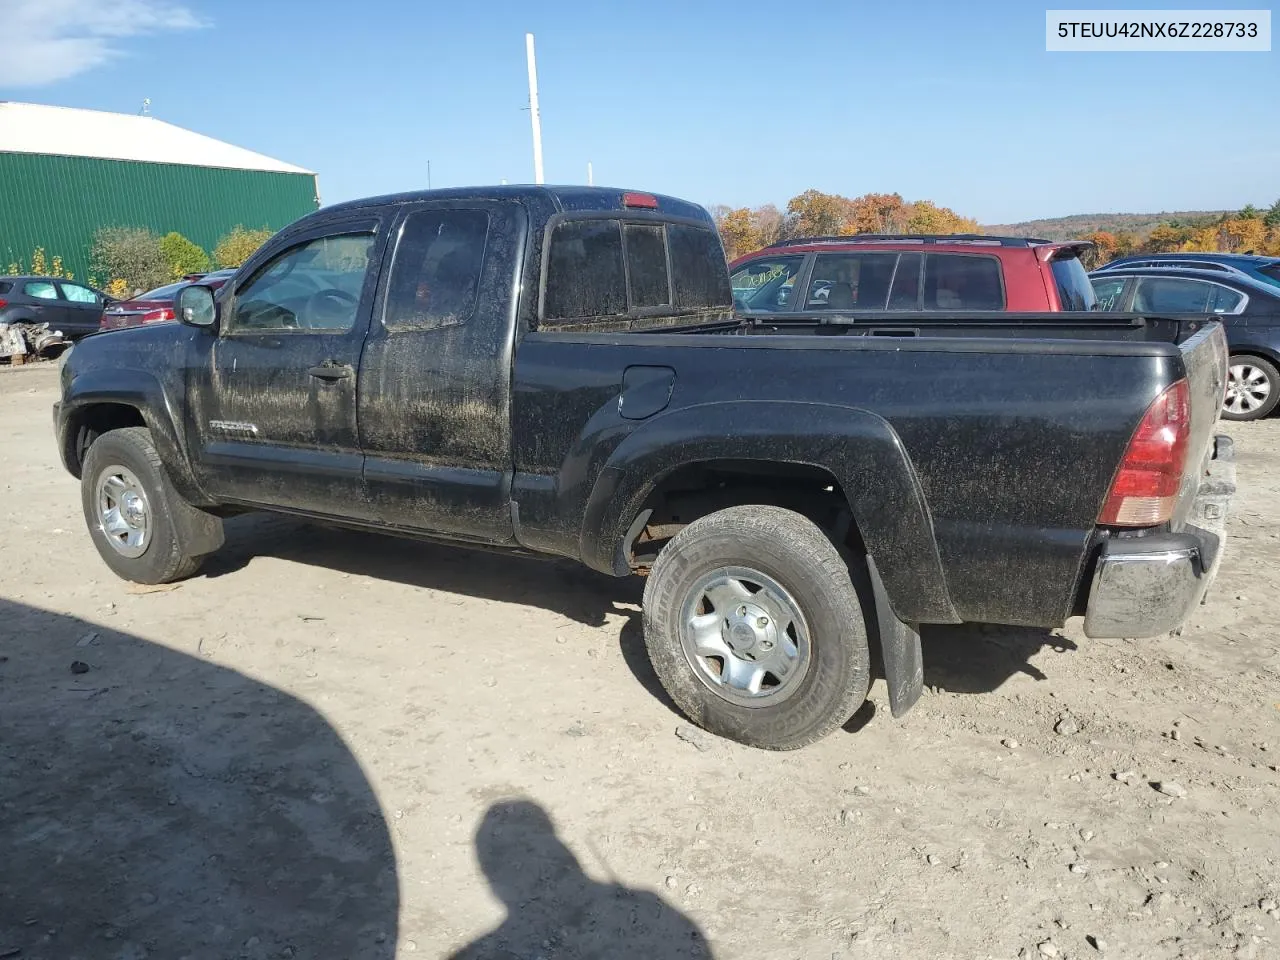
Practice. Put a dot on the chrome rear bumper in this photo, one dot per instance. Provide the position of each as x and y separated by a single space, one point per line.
1147 586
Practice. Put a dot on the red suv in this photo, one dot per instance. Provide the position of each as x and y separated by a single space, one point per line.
885 273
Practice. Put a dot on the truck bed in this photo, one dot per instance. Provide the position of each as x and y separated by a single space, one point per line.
1010 452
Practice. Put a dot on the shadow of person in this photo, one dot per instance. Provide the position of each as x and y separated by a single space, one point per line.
154 804
554 910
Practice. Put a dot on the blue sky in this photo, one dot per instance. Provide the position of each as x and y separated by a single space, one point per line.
740 103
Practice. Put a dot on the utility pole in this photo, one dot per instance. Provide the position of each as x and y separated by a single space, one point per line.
533 109
428 174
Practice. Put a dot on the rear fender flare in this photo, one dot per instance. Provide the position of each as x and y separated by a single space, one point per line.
860 449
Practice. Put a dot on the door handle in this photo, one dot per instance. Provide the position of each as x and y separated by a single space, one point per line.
330 372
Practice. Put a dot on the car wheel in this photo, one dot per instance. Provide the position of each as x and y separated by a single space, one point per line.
130 507
754 628
1253 388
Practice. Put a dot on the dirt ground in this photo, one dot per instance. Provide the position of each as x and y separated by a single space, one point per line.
334 745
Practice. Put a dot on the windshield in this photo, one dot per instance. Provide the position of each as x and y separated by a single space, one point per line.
1074 289
1272 270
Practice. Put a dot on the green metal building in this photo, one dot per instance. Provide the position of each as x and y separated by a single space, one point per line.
66 173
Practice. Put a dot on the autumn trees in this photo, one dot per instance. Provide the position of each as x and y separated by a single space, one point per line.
814 213
1249 231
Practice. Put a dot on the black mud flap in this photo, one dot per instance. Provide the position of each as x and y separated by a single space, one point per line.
900 648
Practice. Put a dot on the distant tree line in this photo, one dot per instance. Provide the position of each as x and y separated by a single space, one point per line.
1250 230
814 213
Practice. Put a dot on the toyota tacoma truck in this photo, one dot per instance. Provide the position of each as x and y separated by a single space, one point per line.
559 371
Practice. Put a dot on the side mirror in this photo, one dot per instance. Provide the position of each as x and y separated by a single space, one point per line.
195 306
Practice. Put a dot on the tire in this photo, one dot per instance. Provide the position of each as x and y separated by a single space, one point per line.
1253 388
701 572
157 554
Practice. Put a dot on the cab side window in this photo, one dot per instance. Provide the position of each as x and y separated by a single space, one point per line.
435 275
314 287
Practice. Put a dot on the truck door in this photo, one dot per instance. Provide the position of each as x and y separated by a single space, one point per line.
273 396
435 383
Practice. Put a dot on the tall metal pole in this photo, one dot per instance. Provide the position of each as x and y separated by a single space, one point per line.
533 109
590 179
428 174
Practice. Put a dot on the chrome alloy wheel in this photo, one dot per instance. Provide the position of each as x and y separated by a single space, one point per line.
745 637
1247 388
124 513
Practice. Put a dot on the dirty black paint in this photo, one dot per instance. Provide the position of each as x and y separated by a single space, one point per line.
975 454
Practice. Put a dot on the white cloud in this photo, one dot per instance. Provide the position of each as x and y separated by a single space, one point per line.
51 40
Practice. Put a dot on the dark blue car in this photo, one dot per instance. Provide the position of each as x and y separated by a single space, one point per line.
1249 310
1248 265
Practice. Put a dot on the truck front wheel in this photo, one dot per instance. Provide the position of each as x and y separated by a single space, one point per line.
133 513
754 628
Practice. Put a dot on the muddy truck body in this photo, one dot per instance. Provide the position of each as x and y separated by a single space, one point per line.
559 371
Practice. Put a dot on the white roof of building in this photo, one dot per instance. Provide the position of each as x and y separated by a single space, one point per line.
70 132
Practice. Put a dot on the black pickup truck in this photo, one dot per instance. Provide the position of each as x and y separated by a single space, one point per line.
559 371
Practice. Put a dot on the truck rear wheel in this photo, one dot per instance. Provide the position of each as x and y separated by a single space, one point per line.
754 628
132 509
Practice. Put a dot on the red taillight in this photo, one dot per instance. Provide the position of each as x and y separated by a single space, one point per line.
3 303
158 316
1146 486
647 200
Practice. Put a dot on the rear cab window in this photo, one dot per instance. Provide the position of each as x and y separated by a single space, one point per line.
1272 270
1075 291
610 270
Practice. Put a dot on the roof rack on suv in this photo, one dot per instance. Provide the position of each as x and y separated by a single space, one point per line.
975 239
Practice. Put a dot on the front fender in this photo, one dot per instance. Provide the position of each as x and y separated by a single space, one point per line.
142 390
859 448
